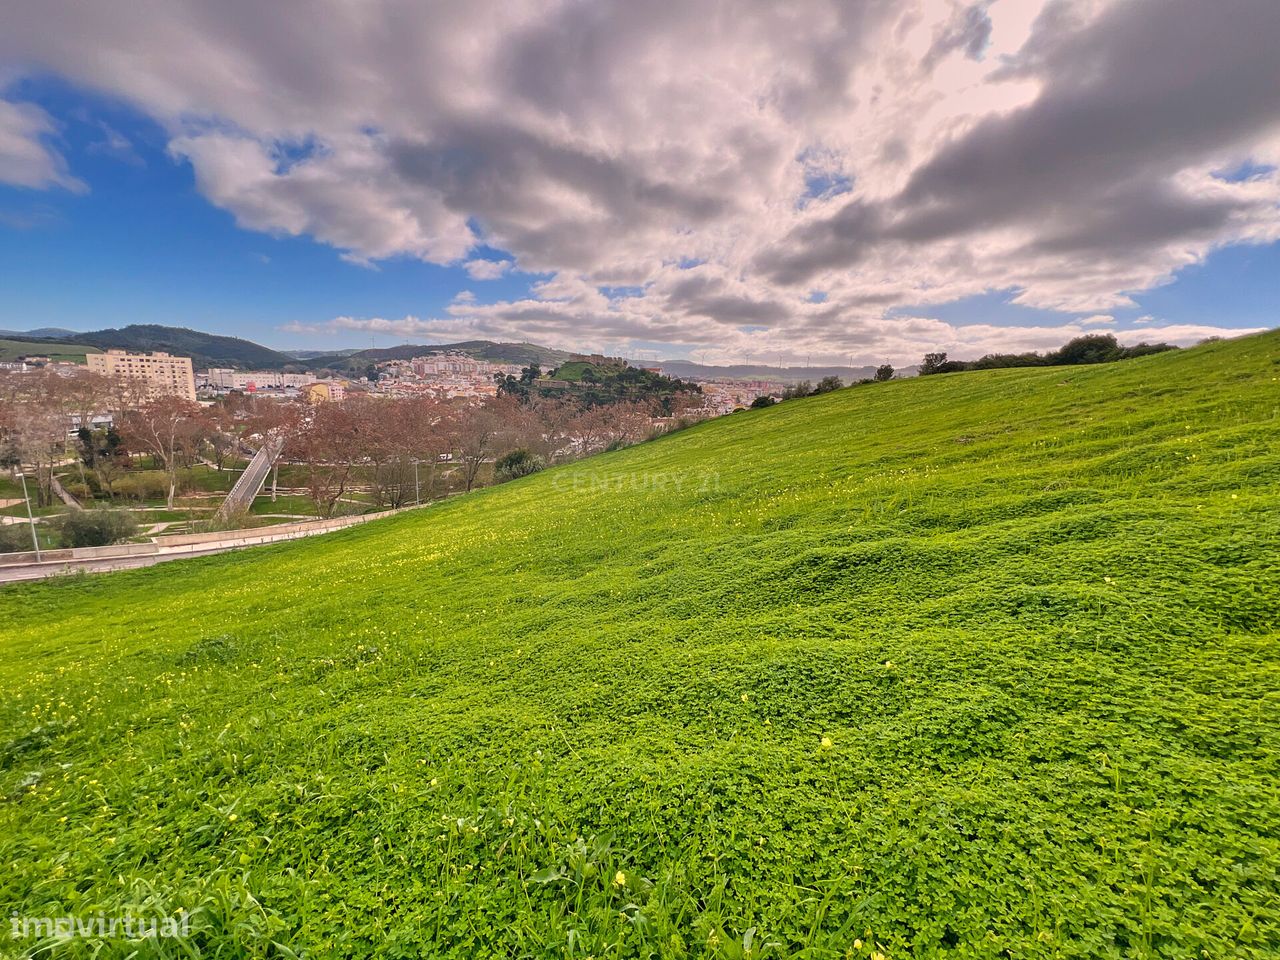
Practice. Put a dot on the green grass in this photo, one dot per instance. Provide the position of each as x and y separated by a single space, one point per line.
283 503
981 665
55 509
572 371
14 349
209 480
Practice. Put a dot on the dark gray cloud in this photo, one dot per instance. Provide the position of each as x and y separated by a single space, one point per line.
1129 101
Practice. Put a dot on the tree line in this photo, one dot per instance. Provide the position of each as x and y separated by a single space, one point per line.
1090 348
399 450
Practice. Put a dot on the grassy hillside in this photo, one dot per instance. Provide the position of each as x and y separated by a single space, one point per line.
54 350
980 665
572 371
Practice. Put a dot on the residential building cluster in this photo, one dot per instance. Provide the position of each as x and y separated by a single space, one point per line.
438 375
722 395
225 379
443 374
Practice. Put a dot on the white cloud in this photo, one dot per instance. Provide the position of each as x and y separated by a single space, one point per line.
901 343
689 175
26 158
486 269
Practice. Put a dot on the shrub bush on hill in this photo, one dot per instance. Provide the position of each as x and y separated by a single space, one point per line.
96 528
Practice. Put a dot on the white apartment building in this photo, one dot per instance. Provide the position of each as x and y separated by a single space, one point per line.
459 365
224 378
164 375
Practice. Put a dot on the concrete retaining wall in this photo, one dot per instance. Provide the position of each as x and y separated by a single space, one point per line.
194 542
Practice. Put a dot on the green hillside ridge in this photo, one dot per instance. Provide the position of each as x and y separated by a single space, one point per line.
971 665
204 349
572 371
53 349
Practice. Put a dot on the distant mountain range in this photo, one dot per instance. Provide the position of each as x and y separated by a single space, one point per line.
42 333
312 354
215 350
204 349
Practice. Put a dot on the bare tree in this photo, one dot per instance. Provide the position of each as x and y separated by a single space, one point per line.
432 434
327 443
35 423
162 427
221 439
480 430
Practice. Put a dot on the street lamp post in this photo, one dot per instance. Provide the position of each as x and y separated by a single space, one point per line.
35 540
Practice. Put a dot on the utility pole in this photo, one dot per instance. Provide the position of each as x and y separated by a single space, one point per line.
417 489
35 541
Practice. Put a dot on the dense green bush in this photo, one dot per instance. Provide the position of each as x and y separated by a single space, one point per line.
81 491
142 485
517 463
1090 348
96 528
15 538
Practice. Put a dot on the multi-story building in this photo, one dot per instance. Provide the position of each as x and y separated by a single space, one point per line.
224 378
459 365
163 375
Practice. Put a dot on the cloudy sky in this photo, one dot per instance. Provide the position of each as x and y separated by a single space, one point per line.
865 179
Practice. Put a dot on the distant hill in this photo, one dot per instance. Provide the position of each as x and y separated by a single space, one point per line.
600 381
17 349
215 350
312 354
521 353
40 333
688 370
204 349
